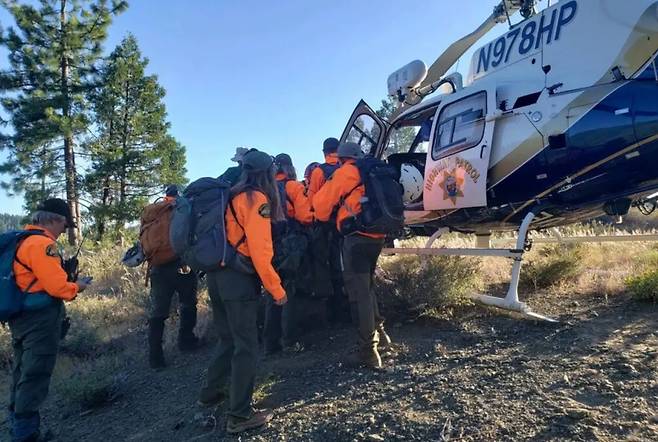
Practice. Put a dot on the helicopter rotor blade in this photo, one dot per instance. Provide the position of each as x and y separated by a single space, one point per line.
450 56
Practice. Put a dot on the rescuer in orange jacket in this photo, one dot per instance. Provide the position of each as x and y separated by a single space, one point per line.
235 294
166 280
323 172
344 192
327 243
36 331
290 245
298 206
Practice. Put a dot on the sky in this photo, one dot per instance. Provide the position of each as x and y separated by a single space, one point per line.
280 75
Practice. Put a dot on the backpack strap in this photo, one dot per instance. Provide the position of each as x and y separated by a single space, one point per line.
22 264
235 216
328 169
285 183
282 189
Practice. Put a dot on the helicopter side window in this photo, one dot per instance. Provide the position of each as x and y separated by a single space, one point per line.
411 135
365 132
461 125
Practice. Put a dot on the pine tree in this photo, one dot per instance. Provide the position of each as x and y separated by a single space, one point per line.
133 157
53 51
10 222
400 138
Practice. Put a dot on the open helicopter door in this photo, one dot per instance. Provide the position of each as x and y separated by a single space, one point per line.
458 158
365 128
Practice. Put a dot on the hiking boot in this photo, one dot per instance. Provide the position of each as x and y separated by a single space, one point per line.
26 428
210 397
236 425
156 355
190 345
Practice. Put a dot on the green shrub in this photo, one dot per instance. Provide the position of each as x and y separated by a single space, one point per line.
406 285
93 384
82 340
553 265
649 259
644 287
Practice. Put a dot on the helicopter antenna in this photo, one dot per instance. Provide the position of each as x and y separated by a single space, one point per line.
507 13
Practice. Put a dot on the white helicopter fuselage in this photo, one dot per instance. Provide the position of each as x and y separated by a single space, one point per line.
549 108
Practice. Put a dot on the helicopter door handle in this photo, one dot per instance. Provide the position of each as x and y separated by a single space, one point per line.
623 111
484 146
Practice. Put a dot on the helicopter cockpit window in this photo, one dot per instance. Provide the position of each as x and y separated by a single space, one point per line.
365 132
411 135
461 125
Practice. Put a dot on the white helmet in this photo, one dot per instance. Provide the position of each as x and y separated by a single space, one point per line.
134 256
412 183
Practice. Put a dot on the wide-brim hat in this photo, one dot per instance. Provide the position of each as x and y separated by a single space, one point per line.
239 154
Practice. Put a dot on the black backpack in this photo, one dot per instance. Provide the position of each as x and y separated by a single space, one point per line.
198 227
328 169
290 241
382 208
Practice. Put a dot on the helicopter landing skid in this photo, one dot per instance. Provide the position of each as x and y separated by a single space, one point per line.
511 300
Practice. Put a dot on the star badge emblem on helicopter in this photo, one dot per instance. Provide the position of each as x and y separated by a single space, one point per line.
452 184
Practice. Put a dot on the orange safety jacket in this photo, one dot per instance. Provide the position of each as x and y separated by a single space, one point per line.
344 190
298 205
317 179
38 267
254 215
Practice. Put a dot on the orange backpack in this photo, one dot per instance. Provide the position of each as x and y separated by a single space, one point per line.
154 233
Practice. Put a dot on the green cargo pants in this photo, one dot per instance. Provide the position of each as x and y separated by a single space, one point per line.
165 281
360 255
281 320
235 298
327 268
35 338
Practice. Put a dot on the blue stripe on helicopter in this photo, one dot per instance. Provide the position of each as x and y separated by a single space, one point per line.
628 115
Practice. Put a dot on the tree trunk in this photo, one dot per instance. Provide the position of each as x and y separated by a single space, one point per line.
101 218
69 154
124 152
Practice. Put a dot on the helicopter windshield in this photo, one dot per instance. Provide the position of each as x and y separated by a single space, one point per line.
411 134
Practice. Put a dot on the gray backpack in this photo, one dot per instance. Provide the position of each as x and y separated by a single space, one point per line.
198 228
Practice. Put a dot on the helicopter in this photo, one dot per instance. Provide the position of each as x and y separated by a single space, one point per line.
558 117
556 123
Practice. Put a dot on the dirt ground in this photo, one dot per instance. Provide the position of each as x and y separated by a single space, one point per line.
484 377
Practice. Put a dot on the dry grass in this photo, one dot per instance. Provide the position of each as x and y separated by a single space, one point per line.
107 329
435 286
108 320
